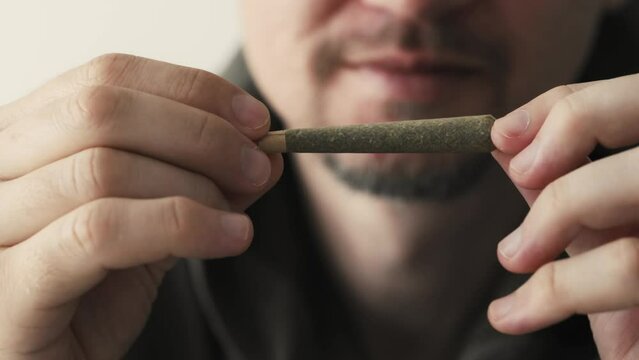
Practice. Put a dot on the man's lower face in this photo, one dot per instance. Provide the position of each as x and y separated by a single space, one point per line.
371 81
408 176
411 177
339 62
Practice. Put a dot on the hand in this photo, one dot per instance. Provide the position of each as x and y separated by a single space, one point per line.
590 209
108 173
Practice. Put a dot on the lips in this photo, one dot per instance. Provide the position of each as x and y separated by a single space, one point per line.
413 62
414 67
413 77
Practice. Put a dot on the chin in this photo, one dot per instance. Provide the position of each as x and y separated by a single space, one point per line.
409 177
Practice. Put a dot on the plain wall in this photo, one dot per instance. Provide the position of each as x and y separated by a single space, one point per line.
42 38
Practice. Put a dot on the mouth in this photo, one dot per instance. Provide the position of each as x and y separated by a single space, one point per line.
403 61
423 77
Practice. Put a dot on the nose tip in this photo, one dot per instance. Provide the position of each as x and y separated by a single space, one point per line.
418 8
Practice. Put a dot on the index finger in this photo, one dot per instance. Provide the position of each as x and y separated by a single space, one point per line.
194 87
605 113
514 132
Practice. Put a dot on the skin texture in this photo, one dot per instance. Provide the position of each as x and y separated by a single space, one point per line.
112 170
585 208
109 174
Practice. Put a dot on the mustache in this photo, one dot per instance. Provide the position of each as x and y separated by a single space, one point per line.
416 37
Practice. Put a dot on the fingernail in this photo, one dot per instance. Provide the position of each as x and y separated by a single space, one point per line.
509 247
500 308
249 111
525 159
256 166
514 124
236 226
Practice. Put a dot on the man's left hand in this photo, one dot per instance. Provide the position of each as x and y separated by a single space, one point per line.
588 209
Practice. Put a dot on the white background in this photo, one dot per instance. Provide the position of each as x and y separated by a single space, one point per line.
42 38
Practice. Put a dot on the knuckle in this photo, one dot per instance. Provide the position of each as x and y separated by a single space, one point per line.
110 68
561 91
570 111
626 258
178 213
90 228
554 195
206 133
547 285
93 173
98 105
190 84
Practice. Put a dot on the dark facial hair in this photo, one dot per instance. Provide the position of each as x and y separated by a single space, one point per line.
429 183
426 185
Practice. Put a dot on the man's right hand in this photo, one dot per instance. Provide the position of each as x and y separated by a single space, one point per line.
107 174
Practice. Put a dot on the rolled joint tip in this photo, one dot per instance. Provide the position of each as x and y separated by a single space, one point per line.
274 142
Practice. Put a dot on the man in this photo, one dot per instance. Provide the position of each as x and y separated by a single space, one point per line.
115 169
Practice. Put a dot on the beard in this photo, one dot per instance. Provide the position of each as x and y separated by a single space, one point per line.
424 177
411 177
428 183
